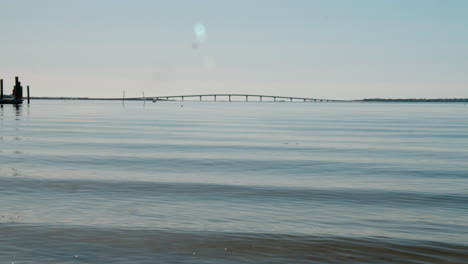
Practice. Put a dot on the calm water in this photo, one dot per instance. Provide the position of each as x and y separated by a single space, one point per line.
219 182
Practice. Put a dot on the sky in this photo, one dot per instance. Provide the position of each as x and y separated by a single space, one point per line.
331 49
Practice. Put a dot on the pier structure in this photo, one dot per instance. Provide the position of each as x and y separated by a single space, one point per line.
242 97
16 96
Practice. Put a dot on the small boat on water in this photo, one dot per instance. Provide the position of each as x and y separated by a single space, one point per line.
10 99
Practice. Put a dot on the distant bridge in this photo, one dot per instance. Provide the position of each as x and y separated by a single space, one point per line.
229 97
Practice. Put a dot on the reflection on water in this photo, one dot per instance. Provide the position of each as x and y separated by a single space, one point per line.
17 110
15 172
11 132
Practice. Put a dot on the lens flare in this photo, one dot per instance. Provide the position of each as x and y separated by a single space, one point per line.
200 32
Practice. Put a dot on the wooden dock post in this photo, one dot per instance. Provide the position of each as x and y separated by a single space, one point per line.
28 93
1 89
18 89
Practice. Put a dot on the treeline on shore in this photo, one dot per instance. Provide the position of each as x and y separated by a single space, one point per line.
443 100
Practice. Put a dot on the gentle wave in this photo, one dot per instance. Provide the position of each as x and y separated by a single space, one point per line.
36 244
325 166
198 191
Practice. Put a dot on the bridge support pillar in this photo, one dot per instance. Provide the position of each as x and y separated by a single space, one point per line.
274 99
182 98
261 98
215 98
229 98
200 97
246 98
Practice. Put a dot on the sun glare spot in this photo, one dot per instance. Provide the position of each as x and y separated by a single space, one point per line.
200 32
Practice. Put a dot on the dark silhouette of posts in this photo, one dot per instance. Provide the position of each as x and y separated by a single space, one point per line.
246 98
28 94
18 89
229 98
1 89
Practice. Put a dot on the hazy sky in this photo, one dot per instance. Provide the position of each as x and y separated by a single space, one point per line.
325 49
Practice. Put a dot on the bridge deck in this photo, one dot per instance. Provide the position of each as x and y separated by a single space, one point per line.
229 97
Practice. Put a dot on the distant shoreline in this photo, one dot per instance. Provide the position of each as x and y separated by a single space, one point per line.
402 100
410 100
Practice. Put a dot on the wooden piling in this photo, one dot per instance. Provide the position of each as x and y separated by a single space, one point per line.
18 89
1 89
28 93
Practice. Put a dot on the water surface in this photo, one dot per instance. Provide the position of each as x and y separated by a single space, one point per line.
239 182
